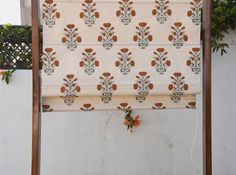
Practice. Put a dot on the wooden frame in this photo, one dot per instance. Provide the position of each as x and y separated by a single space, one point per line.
36 118
206 117
36 123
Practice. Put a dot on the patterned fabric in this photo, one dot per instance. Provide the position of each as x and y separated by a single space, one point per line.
120 54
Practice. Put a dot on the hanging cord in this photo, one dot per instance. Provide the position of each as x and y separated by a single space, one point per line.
195 139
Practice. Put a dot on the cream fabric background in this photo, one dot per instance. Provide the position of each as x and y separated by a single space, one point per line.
104 85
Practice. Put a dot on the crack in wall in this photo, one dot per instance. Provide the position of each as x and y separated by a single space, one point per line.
104 139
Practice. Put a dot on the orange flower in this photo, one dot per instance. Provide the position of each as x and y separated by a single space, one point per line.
125 122
2 73
130 122
136 121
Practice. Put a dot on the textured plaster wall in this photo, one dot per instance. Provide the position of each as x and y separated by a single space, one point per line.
167 143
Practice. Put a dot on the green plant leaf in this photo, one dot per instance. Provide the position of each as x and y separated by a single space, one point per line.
223 19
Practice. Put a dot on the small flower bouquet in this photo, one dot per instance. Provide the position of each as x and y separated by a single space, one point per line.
131 122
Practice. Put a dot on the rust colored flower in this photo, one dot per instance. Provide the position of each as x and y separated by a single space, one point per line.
178 36
107 86
143 85
50 13
161 11
70 89
126 11
195 11
49 61
2 73
131 122
178 86
107 37
89 13
125 61
161 60
89 61
125 122
71 37
136 121
142 35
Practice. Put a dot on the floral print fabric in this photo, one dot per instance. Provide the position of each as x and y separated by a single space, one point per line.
120 54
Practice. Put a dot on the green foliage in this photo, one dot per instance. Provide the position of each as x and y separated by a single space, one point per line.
6 75
223 19
18 37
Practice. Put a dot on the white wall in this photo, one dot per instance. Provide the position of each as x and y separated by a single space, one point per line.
25 6
98 144
10 12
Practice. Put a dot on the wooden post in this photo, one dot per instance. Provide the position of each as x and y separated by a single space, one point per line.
207 136
36 118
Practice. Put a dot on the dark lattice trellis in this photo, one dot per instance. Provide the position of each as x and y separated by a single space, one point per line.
17 57
15 47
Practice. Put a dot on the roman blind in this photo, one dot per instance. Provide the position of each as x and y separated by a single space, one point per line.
120 54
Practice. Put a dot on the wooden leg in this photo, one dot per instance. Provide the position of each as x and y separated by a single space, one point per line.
36 90
207 128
